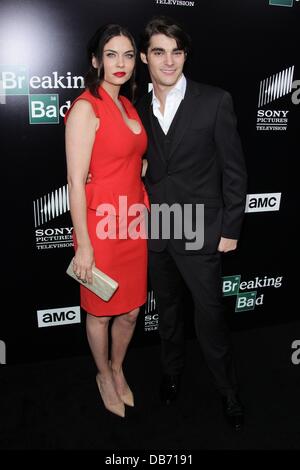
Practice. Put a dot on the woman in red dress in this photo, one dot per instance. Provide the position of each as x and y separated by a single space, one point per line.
105 137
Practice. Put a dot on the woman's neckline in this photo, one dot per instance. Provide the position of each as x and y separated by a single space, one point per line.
123 103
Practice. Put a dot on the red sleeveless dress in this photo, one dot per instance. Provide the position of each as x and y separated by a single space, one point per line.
116 163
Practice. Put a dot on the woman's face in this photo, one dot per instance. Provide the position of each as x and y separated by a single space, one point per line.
118 60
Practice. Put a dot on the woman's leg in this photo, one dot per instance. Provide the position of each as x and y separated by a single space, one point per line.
121 331
97 334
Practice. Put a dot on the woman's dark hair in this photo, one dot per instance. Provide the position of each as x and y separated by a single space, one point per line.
95 47
167 26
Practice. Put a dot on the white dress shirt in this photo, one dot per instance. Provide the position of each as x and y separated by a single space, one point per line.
173 100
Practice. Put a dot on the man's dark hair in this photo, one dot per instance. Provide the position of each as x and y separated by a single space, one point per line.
167 26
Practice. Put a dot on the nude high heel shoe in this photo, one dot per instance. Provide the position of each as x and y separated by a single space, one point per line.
116 408
127 398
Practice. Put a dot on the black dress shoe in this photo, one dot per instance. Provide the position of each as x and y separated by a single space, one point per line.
233 411
169 388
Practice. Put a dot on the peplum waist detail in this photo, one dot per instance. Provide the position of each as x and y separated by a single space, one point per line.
97 194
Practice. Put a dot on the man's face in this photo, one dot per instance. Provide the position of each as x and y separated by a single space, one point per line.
165 61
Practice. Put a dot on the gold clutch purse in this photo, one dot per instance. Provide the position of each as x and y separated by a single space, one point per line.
102 285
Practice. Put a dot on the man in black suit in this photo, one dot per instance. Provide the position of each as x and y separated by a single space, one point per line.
194 157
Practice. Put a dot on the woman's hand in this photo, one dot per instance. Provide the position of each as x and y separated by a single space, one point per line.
83 262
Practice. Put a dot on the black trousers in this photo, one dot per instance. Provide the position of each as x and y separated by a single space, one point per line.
202 275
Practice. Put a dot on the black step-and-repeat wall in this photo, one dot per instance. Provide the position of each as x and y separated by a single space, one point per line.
248 47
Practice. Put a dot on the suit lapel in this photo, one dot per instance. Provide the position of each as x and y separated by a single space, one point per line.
147 118
181 125
186 115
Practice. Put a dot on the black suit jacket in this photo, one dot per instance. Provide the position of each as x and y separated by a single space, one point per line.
205 165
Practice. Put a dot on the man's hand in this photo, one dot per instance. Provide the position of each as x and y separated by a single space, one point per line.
144 167
227 244
89 178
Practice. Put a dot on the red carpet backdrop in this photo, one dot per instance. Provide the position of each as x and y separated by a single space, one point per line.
246 47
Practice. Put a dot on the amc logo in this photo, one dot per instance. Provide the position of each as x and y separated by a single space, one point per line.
58 316
264 202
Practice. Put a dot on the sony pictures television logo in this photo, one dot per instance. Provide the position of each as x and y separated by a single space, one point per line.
47 208
151 315
272 89
175 3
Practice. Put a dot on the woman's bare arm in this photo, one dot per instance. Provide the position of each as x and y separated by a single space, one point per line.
80 135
